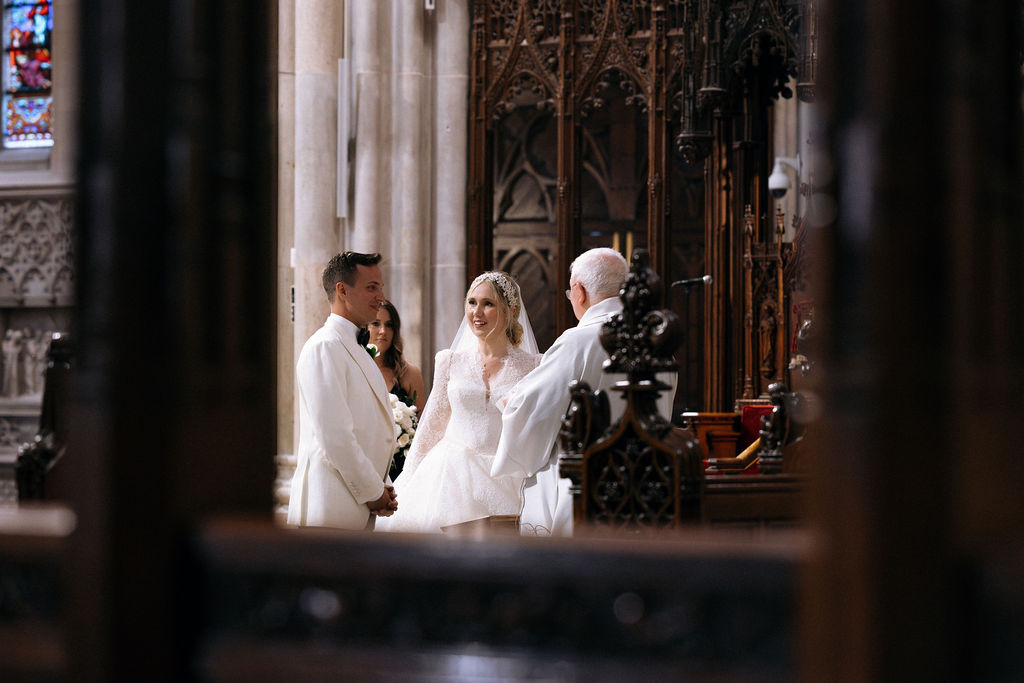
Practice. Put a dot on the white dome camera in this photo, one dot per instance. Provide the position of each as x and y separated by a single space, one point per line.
778 181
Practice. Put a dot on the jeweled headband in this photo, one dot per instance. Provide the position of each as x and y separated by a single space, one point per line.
503 284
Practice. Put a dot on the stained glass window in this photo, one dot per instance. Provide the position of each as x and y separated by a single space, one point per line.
27 80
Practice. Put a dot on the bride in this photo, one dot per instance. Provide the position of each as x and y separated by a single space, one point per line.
447 477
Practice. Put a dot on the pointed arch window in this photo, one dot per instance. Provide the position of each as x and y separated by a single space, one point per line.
28 78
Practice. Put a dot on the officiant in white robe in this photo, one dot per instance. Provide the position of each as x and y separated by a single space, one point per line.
528 448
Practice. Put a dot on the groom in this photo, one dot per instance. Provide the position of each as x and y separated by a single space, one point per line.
346 433
534 413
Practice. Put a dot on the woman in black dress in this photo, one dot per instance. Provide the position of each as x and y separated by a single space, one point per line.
403 379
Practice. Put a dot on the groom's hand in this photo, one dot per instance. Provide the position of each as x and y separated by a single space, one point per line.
386 505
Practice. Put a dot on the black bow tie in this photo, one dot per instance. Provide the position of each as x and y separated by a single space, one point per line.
363 336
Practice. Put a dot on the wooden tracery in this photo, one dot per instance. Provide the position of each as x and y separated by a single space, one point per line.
637 123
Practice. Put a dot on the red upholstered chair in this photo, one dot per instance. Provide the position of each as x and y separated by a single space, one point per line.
750 433
730 440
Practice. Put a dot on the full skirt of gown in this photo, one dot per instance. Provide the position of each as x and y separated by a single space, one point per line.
447 477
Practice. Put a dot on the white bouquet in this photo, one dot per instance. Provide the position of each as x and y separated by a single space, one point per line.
405 429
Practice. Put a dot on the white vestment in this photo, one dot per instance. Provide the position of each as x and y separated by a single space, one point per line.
346 430
528 446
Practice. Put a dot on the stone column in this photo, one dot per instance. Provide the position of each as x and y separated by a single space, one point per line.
319 28
411 176
448 271
370 41
285 241
410 75
408 97
797 134
786 143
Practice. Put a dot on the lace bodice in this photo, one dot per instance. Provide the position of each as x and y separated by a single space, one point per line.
463 407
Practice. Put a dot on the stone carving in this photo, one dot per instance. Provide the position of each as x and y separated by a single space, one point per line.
23 355
36 254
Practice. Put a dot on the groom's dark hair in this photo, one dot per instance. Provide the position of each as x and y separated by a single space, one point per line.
342 268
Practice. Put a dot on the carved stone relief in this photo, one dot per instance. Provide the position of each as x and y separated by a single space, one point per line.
23 356
36 295
36 253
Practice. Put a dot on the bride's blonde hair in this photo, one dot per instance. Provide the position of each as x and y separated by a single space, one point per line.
507 294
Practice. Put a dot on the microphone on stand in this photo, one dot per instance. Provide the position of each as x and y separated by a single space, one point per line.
703 280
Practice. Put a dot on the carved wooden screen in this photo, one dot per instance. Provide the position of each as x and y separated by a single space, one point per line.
631 123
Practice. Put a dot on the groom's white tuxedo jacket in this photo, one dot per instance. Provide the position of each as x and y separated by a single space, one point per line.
346 430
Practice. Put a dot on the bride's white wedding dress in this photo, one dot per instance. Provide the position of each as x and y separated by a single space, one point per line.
446 479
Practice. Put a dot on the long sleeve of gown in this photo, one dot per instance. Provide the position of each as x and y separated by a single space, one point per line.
436 414
534 412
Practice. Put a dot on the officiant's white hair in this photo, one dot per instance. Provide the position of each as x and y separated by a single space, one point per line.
601 271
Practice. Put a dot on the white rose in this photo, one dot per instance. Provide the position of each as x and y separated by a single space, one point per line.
403 441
